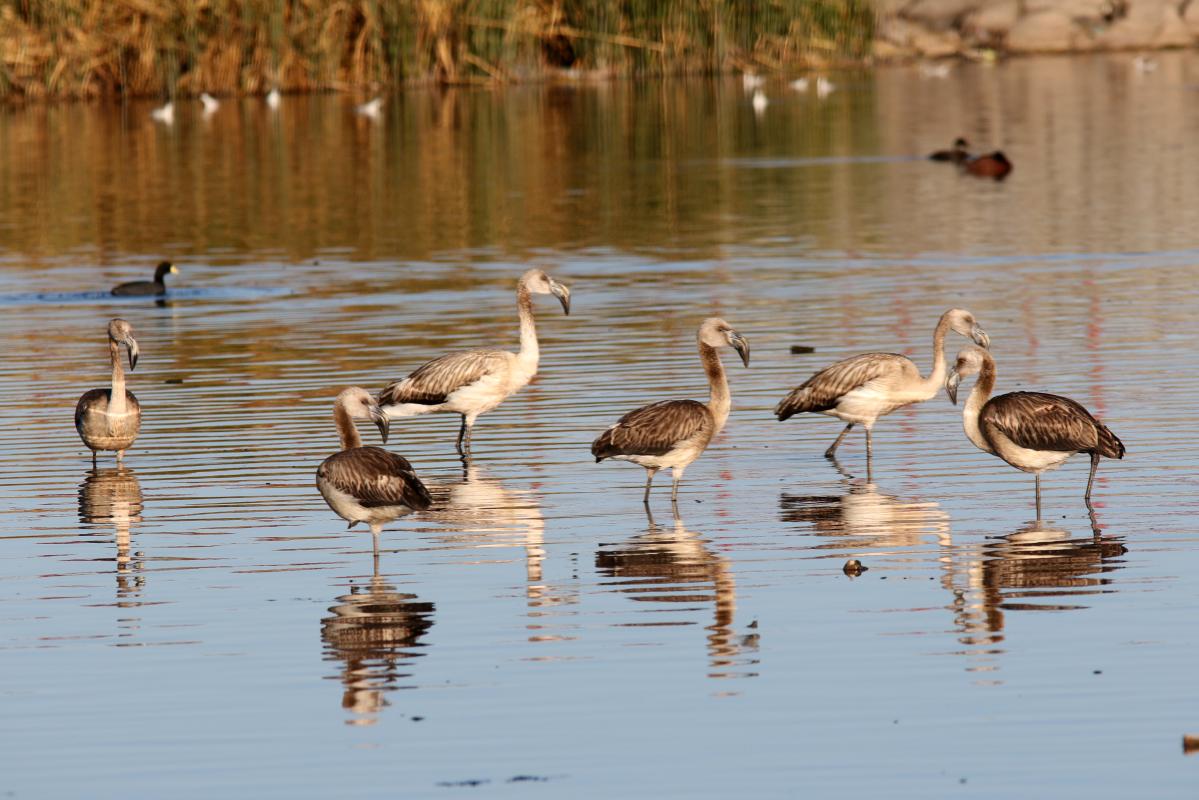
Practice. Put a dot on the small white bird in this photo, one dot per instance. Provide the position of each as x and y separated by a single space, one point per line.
759 101
935 70
752 81
272 99
824 87
1144 64
371 108
211 104
800 84
165 114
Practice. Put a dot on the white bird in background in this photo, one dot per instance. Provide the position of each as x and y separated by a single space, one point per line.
759 101
272 99
935 70
800 84
165 114
1144 64
211 104
371 108
824 87
751 81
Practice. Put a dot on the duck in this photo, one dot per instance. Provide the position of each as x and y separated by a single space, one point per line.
956 154
147 288
992 165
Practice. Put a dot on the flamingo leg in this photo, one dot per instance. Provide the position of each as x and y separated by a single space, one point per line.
649 479
832 448
1038 495
462 433
1091 480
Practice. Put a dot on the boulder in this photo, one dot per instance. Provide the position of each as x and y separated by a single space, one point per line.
939 15
1046 32
1092 12
991 22
1148 23
1191 19
916 39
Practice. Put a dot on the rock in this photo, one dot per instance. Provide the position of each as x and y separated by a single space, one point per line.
1093 12
1046 32
992 22
913 38
1148 23
1174 31
1191 19
939 15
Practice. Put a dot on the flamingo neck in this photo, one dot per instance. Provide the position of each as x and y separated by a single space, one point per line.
116 397
529 350
719 400
345 426
936 377
978 398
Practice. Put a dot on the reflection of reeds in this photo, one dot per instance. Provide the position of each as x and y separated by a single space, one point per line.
145 47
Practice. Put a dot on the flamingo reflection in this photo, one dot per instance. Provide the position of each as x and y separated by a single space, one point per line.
113 496
870 518
1037 567
375 632
480 512
676 566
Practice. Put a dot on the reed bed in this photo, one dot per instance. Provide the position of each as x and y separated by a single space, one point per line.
86 48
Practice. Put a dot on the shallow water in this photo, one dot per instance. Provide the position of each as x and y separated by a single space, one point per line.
198 621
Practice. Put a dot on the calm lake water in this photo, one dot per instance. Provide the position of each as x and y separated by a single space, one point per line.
198 623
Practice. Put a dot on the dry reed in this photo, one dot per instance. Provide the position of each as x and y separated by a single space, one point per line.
81 48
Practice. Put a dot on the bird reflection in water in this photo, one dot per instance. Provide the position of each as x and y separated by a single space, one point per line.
675 566
113 496
871 518
480 512
1037 567
375 632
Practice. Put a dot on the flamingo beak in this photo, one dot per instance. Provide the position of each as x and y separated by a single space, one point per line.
563 294
741 345
980 337
381 422
951 387
131 343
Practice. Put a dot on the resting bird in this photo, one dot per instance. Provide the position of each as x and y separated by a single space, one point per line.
957 154
1032 431
863 388
475 381
673 433
109 419
367 484
992 165
147 288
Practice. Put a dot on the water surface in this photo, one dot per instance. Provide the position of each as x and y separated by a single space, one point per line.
197 621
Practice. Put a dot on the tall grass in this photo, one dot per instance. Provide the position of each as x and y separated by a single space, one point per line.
164 47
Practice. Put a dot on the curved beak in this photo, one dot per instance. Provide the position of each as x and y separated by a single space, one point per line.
562 293
131 343
951 386
980 337
741 345
173 270
381 422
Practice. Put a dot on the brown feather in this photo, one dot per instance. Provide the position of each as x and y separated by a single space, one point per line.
1040 421
433 382
375 477
824 390
655 429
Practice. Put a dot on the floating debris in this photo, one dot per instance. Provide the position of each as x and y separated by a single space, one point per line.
853 568
1190 744
796 349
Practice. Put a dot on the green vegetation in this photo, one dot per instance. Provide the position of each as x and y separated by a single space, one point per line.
156 47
